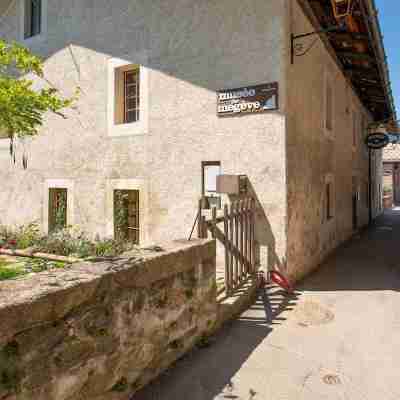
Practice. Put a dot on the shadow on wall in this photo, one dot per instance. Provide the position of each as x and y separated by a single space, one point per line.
208 372
370 261
265 237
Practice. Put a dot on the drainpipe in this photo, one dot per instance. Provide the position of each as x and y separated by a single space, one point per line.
369 187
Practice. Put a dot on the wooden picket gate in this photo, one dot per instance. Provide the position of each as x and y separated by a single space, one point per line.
237 236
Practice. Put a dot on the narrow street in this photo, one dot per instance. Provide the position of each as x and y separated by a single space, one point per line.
337 338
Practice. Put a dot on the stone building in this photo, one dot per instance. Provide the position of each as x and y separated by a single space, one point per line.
150 128
391 174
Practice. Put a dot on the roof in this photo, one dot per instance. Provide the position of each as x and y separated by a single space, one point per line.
358 47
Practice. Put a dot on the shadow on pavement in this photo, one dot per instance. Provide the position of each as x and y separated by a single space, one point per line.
206 373
370 261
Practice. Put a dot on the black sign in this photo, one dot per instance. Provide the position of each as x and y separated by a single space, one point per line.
377 140
248 100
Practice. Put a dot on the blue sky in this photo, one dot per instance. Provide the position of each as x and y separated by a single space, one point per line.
389 17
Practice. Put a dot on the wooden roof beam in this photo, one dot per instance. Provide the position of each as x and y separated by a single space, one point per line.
356 56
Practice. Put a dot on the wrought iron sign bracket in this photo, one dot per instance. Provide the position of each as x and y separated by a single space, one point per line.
294 38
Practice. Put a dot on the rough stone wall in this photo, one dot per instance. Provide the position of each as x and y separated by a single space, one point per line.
312 155
102 330
194 48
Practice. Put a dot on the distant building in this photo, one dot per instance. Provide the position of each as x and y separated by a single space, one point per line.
391 174
177 92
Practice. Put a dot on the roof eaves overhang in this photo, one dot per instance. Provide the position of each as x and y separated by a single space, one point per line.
359 53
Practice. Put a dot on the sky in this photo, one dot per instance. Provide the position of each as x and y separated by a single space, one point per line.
389 17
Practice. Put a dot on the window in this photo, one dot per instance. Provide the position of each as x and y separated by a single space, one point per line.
58 199
126 215
328 104
127 96
33 18
210 171
328 196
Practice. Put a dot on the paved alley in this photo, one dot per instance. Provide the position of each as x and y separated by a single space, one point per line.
337 338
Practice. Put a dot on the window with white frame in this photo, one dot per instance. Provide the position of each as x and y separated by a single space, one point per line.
58 204
127 210
128 96
126 215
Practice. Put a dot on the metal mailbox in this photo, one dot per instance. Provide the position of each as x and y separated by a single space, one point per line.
232 184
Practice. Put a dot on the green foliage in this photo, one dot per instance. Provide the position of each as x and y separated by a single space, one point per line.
28 236
24 266
10 270
121 385
61 212
23 237
387 189
21 107
40 265
110 247
64 242
121 217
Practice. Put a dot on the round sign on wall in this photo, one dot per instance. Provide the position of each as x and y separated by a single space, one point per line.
377 140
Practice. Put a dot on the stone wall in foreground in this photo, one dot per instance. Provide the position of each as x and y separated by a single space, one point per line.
102 330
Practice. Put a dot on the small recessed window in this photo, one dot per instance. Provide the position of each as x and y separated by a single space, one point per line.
126 215
58 199
210 171
127 94
328 105
328 201
33 18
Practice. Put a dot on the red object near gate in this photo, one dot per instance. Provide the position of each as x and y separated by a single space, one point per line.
280 280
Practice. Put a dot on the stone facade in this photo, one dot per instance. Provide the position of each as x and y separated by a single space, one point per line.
103 330
315 156
175 42
188 51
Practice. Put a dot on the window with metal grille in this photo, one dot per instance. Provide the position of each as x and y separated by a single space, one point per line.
127 96
58 199
126 215
33 18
